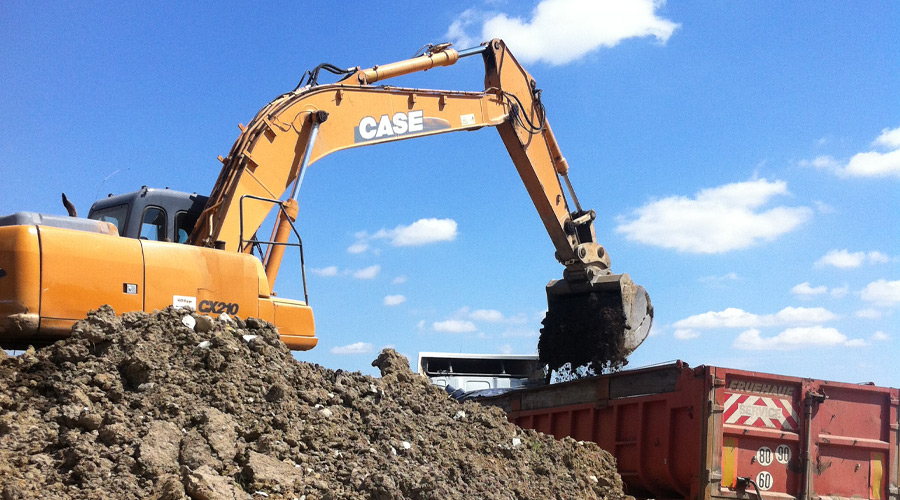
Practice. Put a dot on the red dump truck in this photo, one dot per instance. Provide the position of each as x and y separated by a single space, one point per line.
716 433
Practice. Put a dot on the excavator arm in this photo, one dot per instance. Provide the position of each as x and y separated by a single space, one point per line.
298 128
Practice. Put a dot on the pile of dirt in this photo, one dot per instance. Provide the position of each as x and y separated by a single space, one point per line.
173 405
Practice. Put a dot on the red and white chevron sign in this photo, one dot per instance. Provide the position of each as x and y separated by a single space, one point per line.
761 411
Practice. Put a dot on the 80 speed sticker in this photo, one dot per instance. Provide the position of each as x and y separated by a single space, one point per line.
782 455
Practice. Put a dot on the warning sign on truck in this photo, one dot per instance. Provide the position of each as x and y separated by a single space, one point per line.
761 411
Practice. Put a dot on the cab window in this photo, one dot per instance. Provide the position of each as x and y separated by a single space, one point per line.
153 224
184 224
115 214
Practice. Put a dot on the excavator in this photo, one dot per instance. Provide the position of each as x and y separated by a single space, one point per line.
155 248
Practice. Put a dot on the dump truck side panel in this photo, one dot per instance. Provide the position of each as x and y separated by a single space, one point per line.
698 434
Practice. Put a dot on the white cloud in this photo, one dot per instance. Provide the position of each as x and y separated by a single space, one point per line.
716 220
326 271
454 326
487 315
882 293
822 162
889 138
685 334
794 338
355 348
880 336
840 292
844 259
358 247
399 280
394 300
802 315
733 317
562 31
506 349
824 208
806 290
367 273
423 232
872 164
869 313
491 316
419 233
878 258
458 31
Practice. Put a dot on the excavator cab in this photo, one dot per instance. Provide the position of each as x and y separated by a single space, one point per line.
151 214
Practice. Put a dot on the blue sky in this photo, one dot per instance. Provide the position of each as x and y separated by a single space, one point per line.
743 159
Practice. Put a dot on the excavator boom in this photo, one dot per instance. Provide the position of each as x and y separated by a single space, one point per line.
300 127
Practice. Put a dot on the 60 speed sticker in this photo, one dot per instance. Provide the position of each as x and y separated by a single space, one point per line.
765 457
764 480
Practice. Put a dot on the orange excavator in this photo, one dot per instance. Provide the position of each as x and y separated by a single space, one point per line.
203 252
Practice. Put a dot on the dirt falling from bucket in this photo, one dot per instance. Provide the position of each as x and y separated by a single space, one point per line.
582 329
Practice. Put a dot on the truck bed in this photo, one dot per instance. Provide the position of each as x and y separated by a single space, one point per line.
693 433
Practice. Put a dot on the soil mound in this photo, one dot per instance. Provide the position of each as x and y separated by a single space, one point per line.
173 405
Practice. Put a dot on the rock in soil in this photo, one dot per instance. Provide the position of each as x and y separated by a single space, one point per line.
155 406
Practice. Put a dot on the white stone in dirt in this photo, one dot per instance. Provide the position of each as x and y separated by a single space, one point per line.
516 442
248 338
189 321
460 415
406 445
205 344
325 412
225 317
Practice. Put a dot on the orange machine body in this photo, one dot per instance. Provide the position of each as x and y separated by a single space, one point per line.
57 270
54 276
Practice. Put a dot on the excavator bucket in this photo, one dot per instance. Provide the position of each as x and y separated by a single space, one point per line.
600 322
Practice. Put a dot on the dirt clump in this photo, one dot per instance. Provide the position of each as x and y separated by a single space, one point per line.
172 406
